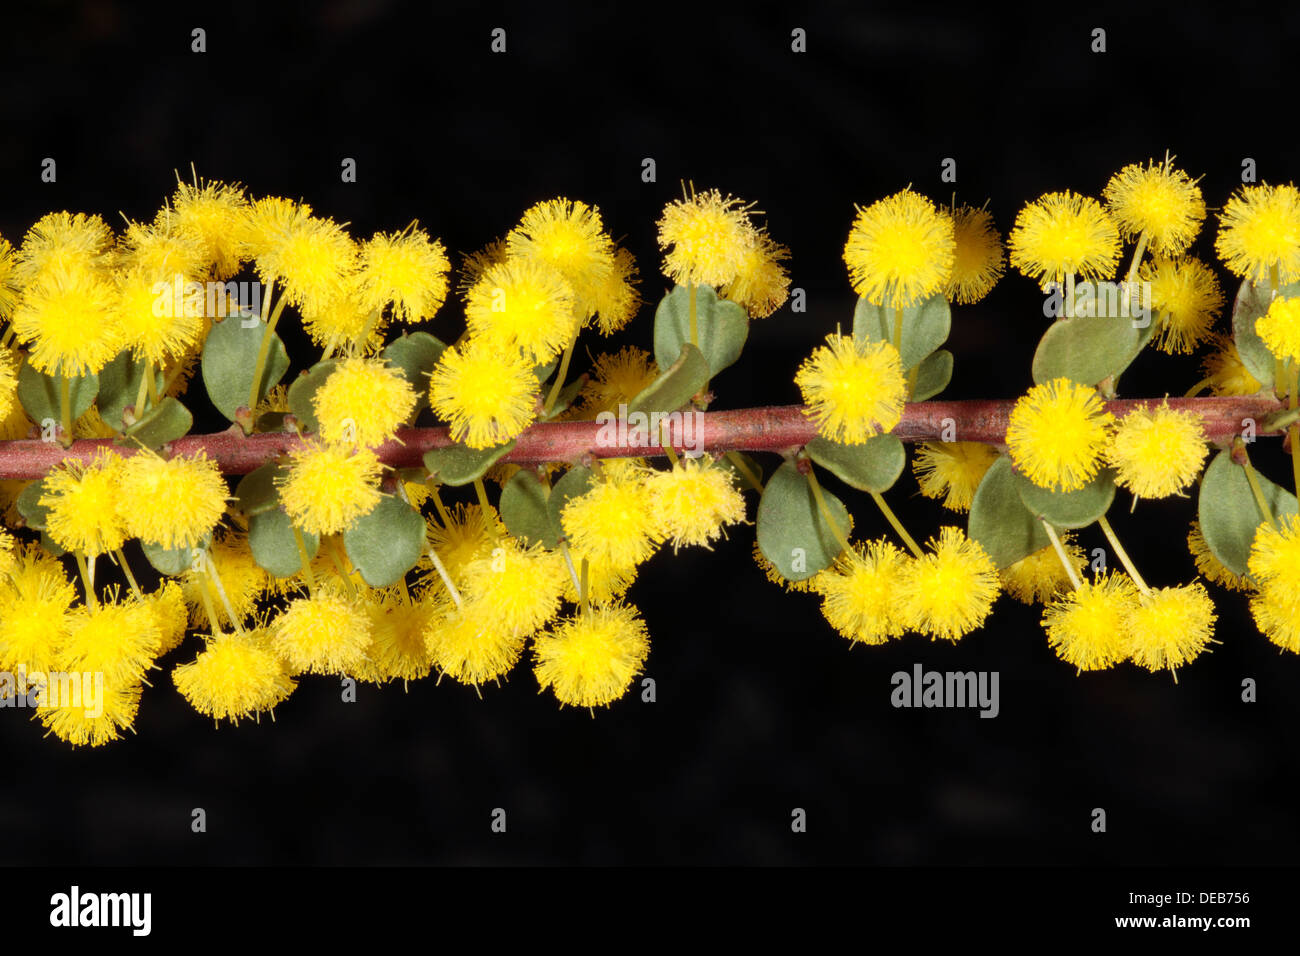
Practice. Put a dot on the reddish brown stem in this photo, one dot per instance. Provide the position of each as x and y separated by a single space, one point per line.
770 429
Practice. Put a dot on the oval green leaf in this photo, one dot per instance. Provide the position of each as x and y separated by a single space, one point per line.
999 520
172 560
39 394
230 358
459 465
925 327
271 539
525 511
303 391
28 503
933 376
119 385
1069 509
792 532
872 466
163 423
721 328
414 355
1087 349
1249 307
257 492
386 543
1228 512
676 386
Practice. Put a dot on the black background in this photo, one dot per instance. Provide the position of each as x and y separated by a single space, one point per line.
761 707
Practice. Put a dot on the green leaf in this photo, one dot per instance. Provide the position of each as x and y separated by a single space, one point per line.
568 395
574 484
119 385
1249 307
257 491
459 465
230 358
1087 349
28 504
792 532
163 423
271 539
39 394
172 560
933 376
415 354
728 463
925 327
999 520
52 546
1069 509
303 391
524 509
676 385
1228 512
384 544
872 466
721 328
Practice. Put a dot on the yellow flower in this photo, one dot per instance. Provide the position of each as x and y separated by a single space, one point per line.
521 584
1185 299
463 538
591 660
119 640
1169 627
397 649
1057 434
1225 373
171 503
325 634
34 605
1039 577
949 592
1157 201
1274 561
8 279
617 300
313 259
1280 328
149 322
488 396
1259 231
707 238
362 403
168 607
469 644
1277 614
66 316
162 249
234 676
83 503
1157 452
859 592
474 264
1062 233
852 391
8 383
406 270
762 284
1208 565
617 378
978 260
606 580
328 487
242 579
525 304
900 250
215 212
952 470
61 243
614 521
566 237
694 501
1089 627
98 722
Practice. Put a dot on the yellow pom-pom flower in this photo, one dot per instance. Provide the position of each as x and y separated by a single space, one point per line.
8 282
362 403
900 250
466 535
171 503
62 242
565 237
606 580
521 584
617 300
406 270
1158 201
324 634
1259 232
152 323
616 378
215 212
1280 328
1208 565
1225 373
119 640
1274 562
35 600
398 650
523 304
1157 452
241 578
84 503
859 592
952 470
313 259
1185 299
162 249
488 396
761 284
1057 434
94 723
694 501
8 383
470 645
614 521
978 258
328 487
707 237
950 591
170 614
1089 627
1062 233
234 676
67 319
591 660
852 391
1039 577
1169 627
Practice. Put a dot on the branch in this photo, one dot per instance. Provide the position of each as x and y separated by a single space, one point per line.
769 429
